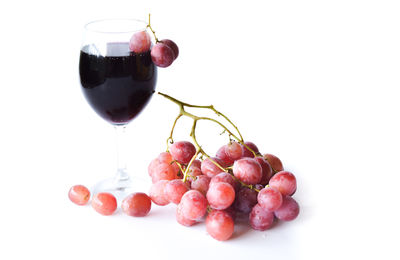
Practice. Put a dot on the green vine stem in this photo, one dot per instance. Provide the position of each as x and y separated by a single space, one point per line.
151 29
199 149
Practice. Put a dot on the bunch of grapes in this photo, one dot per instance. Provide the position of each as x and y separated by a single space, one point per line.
238 181
163 53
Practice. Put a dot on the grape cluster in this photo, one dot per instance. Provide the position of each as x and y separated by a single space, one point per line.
238 181
163 53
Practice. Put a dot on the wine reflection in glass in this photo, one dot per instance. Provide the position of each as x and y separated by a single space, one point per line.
118 84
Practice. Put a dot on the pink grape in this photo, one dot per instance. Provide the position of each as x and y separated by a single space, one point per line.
289 209
196 163
104 203
182 151
220 195
140 42
193 205
234 150
181 219
201 183
274 161
157 194
223 156
285 182
269 198
174 190
162 55
173 46
225 177
163 168
260 218
266 170
79 194
248 170
137 204
245 200
193 173
247 152
220 225
209 168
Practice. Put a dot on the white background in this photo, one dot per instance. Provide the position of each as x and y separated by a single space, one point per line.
314 82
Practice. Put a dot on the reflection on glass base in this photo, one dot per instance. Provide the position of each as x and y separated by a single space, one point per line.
121 188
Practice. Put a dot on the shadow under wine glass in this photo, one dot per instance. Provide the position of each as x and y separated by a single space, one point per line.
117 84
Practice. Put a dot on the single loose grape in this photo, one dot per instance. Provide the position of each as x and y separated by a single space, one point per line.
220 195
269 198
140 42
162 55
289 209
260 218
285 182
248 170
219 225
137 204
79 194
157 194
104 203
182 151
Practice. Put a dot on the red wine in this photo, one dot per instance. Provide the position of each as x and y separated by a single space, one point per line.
118 85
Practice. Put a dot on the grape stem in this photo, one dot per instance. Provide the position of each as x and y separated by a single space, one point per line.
199 149
151 29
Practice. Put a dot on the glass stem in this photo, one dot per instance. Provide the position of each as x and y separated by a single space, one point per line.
120 140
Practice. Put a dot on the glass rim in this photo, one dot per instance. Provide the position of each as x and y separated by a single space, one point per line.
94 30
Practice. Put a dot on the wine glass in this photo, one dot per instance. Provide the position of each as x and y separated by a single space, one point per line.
117 83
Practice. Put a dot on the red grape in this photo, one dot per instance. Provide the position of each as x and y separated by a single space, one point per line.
193 173
162 55
285 182
247 152
209 168
201 183
221 154
266 170
163 168
157 194
196 163
220 195
289 210
181 219
269 198
140 42
225 177
234 150
137 204
173 46
193 205
248 170
274 161
182 151
79 194
219 225
260 218
104 203
245 200
174 190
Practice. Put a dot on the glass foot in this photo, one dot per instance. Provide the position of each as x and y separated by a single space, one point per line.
122 188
